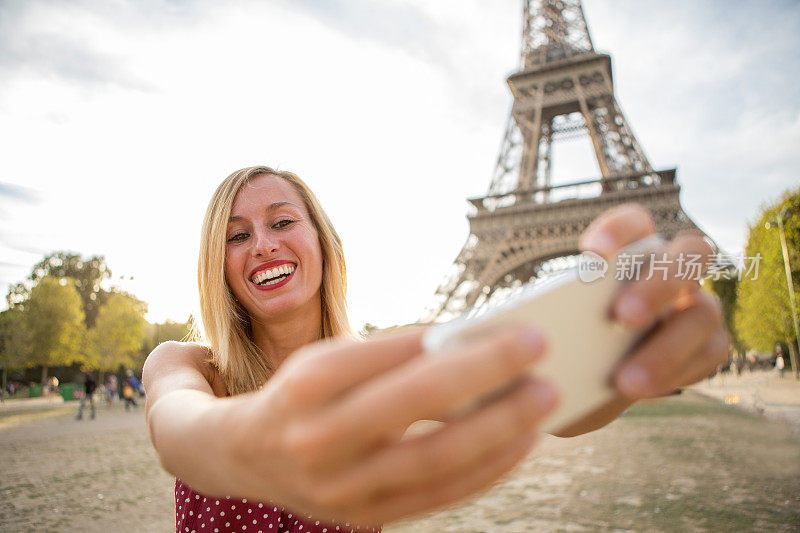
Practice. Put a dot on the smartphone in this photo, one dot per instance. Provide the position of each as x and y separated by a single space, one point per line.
573 308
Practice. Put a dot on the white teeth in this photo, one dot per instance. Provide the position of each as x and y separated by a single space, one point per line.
272 273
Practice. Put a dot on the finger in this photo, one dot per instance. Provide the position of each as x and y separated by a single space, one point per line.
423 389
657 364
456 447
324 370
617 228
429 497
665 276
714 353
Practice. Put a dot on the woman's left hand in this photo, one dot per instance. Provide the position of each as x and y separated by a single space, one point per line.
688 340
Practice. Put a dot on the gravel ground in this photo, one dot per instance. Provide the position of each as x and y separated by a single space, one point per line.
763 392
61 474
685 463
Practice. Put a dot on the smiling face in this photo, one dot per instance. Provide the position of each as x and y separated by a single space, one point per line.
273 260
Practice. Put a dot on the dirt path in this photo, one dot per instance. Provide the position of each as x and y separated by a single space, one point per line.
762 391
681 464
60 474
686 463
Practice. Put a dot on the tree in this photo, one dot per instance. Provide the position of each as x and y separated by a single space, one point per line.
156 333
54 322
763 314
117 336
725 289
88 274
368 330
169 330
13 343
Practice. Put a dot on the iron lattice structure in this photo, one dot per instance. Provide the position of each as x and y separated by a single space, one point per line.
525 225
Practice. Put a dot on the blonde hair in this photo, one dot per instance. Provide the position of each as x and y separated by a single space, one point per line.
225 322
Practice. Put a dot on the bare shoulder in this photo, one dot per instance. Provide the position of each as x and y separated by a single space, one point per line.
172 353
179 359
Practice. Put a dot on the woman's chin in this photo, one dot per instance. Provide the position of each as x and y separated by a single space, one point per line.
272 311
278 308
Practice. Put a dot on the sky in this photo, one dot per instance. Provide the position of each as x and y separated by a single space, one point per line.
119 118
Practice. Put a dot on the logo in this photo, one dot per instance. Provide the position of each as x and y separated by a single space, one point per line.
591 267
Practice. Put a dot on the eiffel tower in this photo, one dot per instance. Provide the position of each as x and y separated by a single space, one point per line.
525 226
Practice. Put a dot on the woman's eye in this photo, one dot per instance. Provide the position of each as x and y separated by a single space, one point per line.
283 223
237 237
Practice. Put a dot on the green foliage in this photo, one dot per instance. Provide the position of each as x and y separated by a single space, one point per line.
54 323
169 330
726 290
368 330
87 275
763 313
116 338
13 339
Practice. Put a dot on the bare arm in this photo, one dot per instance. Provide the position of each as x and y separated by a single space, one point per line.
185 418
323 435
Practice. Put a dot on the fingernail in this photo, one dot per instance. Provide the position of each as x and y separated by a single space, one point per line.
600 242
546 396
535 341
632 381
632 311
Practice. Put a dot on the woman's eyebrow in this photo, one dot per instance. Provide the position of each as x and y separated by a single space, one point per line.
276 205
270 207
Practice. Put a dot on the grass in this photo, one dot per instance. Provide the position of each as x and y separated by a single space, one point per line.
709 442
686 405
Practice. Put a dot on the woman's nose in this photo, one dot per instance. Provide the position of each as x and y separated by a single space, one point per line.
265 244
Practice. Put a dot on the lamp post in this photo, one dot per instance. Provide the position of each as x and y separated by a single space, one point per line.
793 353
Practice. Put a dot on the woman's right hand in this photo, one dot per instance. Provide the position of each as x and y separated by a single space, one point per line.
324 435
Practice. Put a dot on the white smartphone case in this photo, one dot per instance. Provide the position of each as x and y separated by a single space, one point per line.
585 345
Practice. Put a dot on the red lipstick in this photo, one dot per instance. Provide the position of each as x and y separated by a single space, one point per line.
267 266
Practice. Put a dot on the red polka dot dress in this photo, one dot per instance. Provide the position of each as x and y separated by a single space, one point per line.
197 513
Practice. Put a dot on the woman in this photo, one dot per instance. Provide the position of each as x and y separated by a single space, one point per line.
130 390
112 389
283 412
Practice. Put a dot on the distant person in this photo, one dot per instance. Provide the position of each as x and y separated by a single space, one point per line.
89 387
112 390
288 413
721 370
51 390
130 390
780 362
752 361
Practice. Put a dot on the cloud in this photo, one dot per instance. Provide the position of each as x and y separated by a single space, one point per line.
395 25
13 243
712 88
391 109
49 38
5 264
17 192
442 34
56 56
